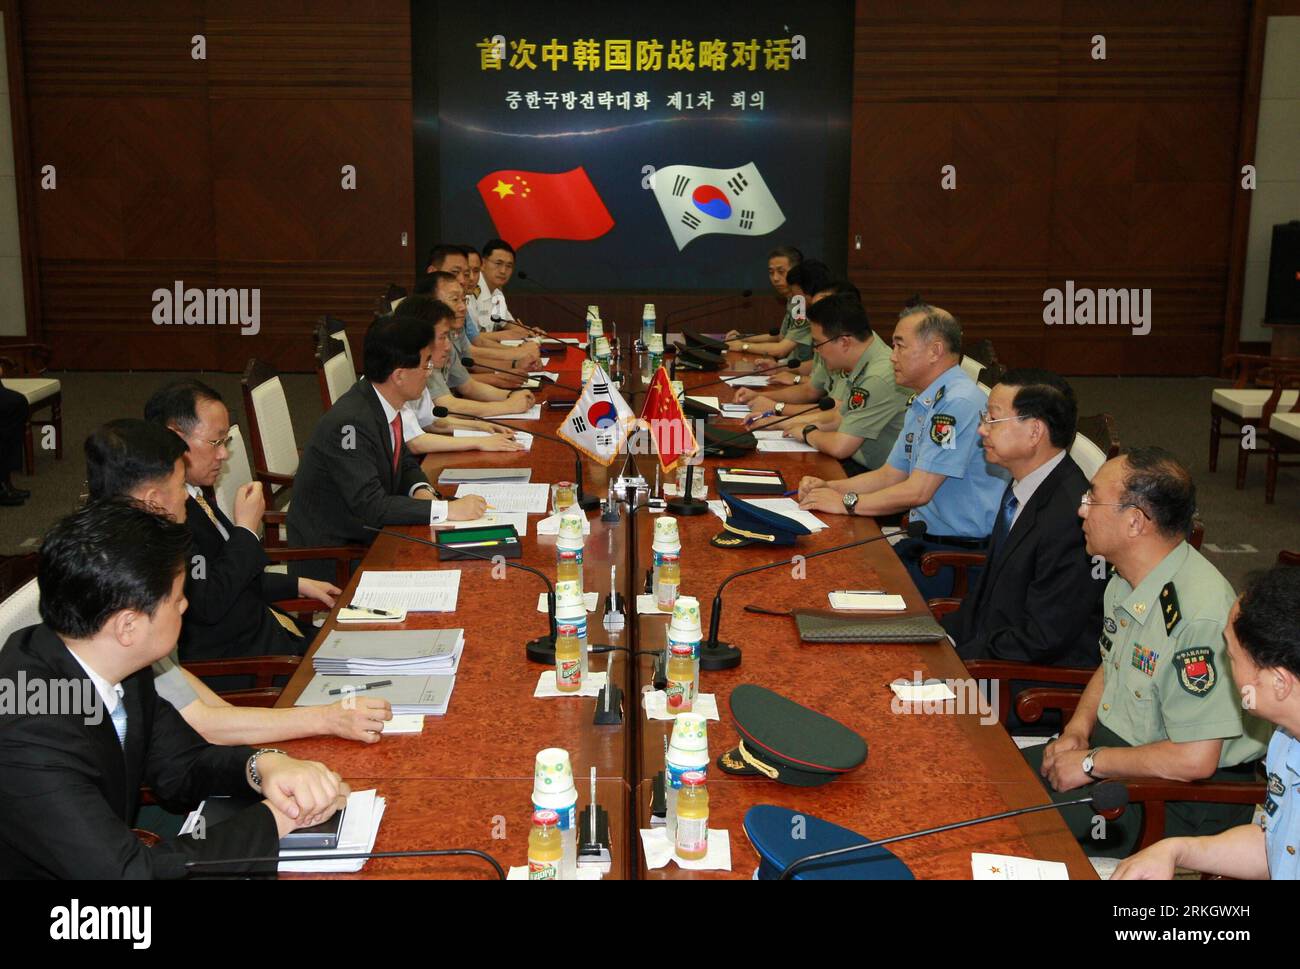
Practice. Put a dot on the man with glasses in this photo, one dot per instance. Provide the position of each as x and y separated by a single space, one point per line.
521 359
490 312
936 471
1038 599
229 590
357 470
1162 704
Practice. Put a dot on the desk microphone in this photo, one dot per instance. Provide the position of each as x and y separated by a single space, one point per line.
1106 796
585 502
276 859
723 656
540 650
789 363
470 362
722 439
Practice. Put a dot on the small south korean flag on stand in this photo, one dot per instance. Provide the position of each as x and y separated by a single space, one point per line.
600 421
699 201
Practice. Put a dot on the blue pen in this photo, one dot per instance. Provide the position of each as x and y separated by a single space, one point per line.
789 494
759 417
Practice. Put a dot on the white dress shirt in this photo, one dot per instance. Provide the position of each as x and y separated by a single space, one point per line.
110 693
196 492
488 304
1024 488
437 509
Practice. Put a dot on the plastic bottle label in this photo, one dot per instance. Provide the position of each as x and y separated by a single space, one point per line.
675 774
692 834
543 871
570 672
568 815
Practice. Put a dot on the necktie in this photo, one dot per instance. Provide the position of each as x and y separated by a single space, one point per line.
1005 514
289 625
397 441
118 717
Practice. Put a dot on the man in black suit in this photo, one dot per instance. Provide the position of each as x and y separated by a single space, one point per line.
131 458
230 592
1039 598
112 595
356 470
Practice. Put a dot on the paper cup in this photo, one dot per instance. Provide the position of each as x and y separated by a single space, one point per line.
667 538
570 534
552 775
690 736
686 616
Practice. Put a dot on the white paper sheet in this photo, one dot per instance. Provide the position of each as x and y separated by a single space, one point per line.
656 705
659 851
407 723
591 686
589 599
432 590
533 413
523 437
1008 868
365 811
532 498
748 380
550 525
788 445
910 691
517 518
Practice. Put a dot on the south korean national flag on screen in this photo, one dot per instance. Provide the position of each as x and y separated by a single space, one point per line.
699 201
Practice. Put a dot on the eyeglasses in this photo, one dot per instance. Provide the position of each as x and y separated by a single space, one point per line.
1091 502
218 443
986 420
501 263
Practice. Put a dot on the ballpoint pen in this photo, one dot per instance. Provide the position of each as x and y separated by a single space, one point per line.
360 687
373 612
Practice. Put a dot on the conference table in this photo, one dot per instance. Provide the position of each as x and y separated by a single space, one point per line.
465 780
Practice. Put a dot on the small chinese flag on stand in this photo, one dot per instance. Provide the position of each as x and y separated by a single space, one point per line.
535 205
669 427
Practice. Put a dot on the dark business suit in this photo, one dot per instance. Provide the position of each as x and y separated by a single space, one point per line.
69 791
1037 600
345 480
229 612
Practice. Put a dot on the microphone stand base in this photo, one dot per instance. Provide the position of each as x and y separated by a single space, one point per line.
719 656
686 507
589 502
614 715
541 650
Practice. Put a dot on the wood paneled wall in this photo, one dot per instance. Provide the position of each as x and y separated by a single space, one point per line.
222 172
225 172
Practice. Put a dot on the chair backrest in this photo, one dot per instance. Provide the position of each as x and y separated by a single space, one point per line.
1087 455
235 473
20 610
333 371
275 448
981 352
1100 429
972 367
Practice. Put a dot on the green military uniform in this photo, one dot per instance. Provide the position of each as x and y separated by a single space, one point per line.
800 332
871 404
1166 676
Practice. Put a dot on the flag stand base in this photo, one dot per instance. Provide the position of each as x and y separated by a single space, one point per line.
687 507
541 650
718 656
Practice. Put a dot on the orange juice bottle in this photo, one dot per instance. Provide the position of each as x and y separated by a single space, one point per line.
693 817
568 659
568 565
668 580
681 678
544 850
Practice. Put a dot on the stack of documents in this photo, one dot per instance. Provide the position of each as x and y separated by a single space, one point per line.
425 591
427 695
360 828
732 409
451 476
706 401
533 413
402 651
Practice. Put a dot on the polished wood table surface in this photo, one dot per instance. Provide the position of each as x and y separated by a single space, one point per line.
921 770
447 785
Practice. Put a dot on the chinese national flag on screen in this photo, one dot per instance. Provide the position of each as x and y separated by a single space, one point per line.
537 205
669 427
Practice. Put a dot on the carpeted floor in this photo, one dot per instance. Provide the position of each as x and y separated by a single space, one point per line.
1171 412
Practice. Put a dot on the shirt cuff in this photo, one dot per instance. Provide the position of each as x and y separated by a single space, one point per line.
418 485
252 530
437 512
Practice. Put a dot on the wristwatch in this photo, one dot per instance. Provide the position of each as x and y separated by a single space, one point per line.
798 378
744 347
255 778
779 408
1089 762
808 429
850 501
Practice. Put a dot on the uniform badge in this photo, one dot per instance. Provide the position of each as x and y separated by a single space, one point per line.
1270 806
910 399
858 398
942 428
1169 607
1195 669
1145 659
939 396
1105 642
909 437
1110 626
1275 785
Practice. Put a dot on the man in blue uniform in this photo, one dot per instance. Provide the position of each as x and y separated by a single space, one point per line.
936 470
1264 649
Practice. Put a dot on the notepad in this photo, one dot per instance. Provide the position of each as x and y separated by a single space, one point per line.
404 652
422 591
788 445
428 695
530 498
866 602
450 476
748 380
364 812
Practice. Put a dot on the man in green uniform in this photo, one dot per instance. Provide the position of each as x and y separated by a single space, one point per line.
869 405
1162 704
